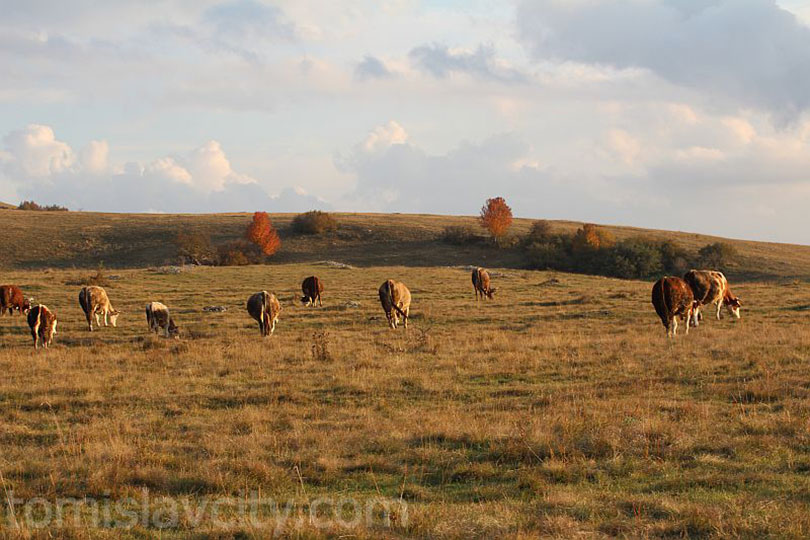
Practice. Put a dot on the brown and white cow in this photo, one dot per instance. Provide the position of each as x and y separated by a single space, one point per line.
11 298
160 321
396 300
673 299
711 287
480 281
95 302
264 308
42 322
312 288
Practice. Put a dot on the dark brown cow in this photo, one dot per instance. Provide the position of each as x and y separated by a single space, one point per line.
396 300
673 299
480 281
11 298
312 288
264 308
711 287
42 322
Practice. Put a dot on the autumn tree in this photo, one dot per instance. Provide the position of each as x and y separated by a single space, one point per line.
496 217
591 237
262 234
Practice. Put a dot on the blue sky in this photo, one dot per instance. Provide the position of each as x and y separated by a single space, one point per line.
678 114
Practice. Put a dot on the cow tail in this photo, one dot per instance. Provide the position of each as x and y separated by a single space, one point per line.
391 297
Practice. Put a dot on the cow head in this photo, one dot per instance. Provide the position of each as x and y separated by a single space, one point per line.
733 305
26 306
491 293
114 317
305 300
173 330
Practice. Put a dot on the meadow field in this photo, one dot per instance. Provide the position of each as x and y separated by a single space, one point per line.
559 409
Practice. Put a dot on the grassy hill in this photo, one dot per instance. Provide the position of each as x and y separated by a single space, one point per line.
87 239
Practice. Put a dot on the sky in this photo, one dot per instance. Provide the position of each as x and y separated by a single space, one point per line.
686 115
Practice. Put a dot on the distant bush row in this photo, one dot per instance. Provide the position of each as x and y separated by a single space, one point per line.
31 205
592 250
261 240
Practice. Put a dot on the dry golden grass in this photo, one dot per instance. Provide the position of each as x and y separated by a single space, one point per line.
559 409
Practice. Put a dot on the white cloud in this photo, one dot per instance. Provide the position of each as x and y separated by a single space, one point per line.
36 165
746 51
384 136
93 157
36 153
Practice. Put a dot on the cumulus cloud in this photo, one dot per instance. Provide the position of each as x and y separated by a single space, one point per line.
749 51
36 165
36 152
441 61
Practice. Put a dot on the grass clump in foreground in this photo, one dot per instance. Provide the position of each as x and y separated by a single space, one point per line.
559 409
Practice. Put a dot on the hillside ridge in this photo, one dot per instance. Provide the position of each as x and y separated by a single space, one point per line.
88 239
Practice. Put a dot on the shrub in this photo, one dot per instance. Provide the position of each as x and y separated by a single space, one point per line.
539 233
636 258
262 234
496 217
314 222
460 235
31 205
194 247
717 255
237 253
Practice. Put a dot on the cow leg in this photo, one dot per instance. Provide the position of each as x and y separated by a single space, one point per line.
273 327
407 314
105 317
674 325
719 308
320 302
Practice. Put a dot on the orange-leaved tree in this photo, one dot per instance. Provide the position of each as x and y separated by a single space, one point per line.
496 217
591 237
262 233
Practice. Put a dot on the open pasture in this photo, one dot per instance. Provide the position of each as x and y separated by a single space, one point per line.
557 409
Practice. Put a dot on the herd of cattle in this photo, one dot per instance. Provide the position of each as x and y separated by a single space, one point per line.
674 298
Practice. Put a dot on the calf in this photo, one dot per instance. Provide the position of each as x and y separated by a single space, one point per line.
94 302
264 308
480 281
42 322
711 287
312 288
673 299
11 298
396 300
159 320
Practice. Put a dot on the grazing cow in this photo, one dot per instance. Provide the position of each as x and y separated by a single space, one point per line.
11 298
264 308
312 288
159 320
94 302
672 298
711 287
480 281
396 300
42 322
